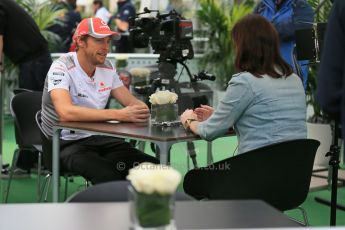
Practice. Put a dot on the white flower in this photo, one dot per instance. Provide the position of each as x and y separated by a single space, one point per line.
121 57
163 97
151 178
140 72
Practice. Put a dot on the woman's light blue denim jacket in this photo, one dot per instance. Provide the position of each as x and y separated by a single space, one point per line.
263 111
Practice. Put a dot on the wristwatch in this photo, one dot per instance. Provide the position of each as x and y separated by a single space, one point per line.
187 123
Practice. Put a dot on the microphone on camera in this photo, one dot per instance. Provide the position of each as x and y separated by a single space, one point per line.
204 75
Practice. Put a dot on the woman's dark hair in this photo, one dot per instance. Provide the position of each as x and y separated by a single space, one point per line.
257 47
98 2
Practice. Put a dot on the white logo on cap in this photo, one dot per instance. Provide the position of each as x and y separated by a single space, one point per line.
103 22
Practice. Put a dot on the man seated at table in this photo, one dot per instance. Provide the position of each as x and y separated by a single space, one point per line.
77 88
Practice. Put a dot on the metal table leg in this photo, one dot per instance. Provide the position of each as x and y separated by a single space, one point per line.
56 161
2 93
164 148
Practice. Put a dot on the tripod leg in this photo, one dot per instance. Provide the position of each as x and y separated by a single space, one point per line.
334 163
192 153
209 153
327 202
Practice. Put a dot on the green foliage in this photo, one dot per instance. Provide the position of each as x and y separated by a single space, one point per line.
321 15
45 14
311 97
323 10
218 18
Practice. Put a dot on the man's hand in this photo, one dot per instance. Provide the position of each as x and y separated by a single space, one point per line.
138 102
134 113
203 112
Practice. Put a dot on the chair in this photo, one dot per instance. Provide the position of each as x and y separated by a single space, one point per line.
47 159
24 106
114 191
279 174
26 159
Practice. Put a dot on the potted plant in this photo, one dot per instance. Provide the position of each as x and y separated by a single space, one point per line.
45 13
322 11
151 196
317 123
218 17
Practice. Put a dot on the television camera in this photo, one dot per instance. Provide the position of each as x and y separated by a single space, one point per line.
169 35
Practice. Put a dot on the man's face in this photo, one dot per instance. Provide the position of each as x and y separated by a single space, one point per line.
96 49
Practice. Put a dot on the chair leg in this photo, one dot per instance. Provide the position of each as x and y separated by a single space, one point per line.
305 217
87 184
13 167
305 221
48 187
44 187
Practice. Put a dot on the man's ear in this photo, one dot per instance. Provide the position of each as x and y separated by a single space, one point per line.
81 42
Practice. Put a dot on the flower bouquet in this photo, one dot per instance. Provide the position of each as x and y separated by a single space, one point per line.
141 76
121 62
163 107
151 195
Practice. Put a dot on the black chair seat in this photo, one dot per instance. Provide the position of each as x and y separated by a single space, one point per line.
279 174
114 191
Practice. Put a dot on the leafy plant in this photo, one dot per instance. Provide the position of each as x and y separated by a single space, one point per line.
45 14
321 15
219 17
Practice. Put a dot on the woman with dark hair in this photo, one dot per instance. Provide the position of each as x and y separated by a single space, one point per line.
264 102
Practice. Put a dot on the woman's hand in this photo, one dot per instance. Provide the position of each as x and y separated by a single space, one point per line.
188 114
203 112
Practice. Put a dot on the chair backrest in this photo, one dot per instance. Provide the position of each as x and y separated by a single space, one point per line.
279 174
21 90
47 145
24 106
114 191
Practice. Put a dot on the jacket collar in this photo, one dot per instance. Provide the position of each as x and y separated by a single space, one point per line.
271 4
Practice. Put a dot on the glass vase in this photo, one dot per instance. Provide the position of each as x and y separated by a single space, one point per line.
151 211
164 113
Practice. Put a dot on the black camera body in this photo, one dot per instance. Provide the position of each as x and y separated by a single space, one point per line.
169 34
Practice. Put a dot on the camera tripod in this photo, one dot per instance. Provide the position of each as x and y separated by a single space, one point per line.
334 164
309 46
166 81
